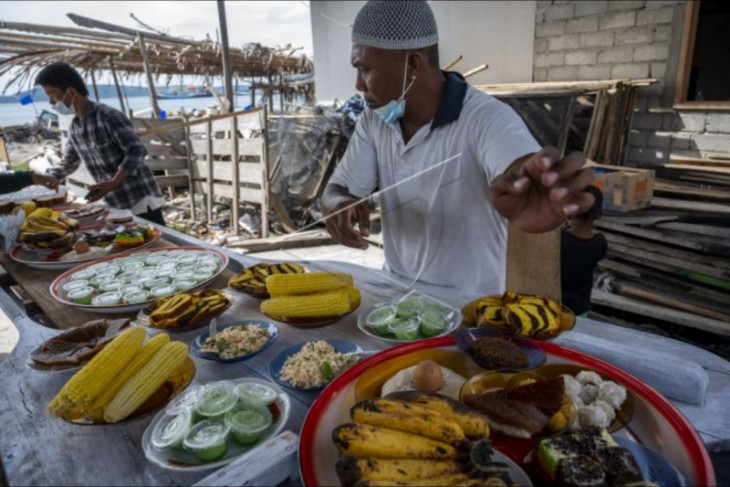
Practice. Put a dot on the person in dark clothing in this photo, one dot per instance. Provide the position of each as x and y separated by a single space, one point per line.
104 140
15 181
581 248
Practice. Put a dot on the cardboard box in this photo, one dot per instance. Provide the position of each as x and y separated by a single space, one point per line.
624 188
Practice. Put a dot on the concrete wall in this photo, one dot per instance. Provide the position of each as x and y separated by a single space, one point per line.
592 40
499 33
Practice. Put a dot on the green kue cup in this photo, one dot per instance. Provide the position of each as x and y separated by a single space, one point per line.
432 323
408 308
380 318
248 424
81 295
109 286
107 299
157 281
134 297
98 280
183 284
84 274
207 440
255 395
163 291
171 430
404 328
215 401
69 286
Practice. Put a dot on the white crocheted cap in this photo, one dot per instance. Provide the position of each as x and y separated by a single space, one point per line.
395 24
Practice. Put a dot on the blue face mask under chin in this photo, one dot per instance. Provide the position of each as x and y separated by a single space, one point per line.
392 111
61 108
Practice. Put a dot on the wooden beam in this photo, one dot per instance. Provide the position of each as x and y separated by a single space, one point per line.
475 70
226 53
453 63
660 312
96 24
286 242
148 74
211 182
696 206
197 121
116 83
93 82
265 186
236 176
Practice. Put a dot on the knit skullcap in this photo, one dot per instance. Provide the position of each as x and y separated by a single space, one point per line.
395 24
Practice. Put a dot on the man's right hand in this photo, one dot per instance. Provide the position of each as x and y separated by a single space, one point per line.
341 223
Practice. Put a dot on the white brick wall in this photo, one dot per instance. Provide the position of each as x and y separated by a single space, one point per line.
587 40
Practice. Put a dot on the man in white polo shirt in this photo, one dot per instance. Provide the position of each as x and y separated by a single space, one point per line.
453 164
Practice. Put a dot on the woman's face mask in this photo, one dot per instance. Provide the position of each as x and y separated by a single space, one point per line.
392 111
61 108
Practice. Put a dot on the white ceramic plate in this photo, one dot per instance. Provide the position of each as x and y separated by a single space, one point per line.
182 461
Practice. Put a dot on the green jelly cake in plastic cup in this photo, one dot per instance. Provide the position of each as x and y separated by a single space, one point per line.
171 430
98 280
163 291
109 286
207 440
69 286
184 284
379 319
215 401
408 308
81 295
248 424
404 328
136 297
157 281
83 274
107 299
255 395
432 323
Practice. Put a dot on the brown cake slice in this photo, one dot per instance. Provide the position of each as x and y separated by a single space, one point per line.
509 417
546 395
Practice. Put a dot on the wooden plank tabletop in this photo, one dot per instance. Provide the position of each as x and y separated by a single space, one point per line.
39 450
36 283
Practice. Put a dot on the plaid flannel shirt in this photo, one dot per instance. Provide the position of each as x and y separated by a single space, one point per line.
104 139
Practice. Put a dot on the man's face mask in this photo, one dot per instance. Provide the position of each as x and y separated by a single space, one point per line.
61 108
392 111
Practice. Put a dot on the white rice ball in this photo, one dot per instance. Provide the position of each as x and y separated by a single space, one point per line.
589 393
592 416
607 408
589 377
572 386
612 393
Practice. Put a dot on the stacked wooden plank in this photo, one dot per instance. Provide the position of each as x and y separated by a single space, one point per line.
670 262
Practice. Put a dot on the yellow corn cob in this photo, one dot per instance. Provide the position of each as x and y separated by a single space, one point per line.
94 377
146 381
354 294
149 350
316 282
333 303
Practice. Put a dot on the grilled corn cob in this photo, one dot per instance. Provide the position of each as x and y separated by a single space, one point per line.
89 382
333 303
146 381
149 350
316 282
354 294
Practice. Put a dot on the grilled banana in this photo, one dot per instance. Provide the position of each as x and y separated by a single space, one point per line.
362 440
351 470
450 479
474 424
405 417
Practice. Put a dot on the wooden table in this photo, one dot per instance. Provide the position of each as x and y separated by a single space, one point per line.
39 450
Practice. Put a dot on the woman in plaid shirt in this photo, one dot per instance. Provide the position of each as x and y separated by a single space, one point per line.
103 138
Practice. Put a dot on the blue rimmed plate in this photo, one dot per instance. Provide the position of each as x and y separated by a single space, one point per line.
535 355
341 346
270 328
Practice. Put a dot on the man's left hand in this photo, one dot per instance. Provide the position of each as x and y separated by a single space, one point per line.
101 189
539 192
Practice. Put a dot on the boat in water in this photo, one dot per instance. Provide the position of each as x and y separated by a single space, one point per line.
190 92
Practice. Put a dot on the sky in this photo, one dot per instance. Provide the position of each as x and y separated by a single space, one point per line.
270 23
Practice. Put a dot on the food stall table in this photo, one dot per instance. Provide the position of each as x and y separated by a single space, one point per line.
40 450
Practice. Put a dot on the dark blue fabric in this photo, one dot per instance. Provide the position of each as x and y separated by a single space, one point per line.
14 181
452 100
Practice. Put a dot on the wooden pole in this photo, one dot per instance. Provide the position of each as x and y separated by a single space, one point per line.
209 157
236 177
116 83
191 172
148 74
453 63
265 179
93 83
226 51
476 70
253 95
190 123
